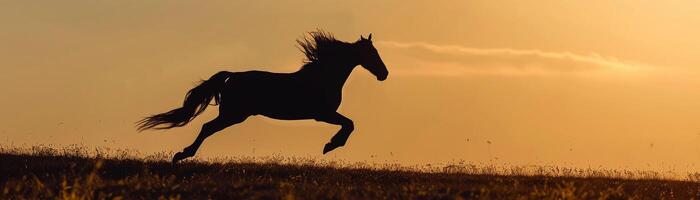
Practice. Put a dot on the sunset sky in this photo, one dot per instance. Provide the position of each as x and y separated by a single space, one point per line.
574 83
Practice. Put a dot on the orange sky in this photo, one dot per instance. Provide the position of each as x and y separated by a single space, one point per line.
579 83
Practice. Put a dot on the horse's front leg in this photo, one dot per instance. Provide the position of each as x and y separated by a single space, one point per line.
341 137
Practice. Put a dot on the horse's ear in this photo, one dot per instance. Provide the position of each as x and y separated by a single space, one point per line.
369 37
362 37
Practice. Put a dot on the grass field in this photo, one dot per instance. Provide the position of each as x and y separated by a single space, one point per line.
74 173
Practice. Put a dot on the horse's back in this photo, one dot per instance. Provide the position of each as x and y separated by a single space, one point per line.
262 77
276 95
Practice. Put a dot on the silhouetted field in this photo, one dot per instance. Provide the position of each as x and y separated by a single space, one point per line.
43 173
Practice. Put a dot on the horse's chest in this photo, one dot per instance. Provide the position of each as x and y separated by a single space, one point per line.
333 99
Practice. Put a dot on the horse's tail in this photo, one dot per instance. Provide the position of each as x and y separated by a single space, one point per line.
196 101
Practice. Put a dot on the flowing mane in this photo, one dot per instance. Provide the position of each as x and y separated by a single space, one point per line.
318 46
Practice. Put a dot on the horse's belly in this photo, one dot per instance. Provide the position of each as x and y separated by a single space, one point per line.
280 99
289 116
289 109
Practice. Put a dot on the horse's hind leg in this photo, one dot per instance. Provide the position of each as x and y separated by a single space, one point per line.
208 129
339 139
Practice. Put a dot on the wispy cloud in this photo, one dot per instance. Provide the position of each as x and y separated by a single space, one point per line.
451 59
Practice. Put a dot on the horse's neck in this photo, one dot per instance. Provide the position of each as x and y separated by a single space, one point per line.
332 75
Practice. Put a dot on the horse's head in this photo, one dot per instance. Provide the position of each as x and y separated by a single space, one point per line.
369 58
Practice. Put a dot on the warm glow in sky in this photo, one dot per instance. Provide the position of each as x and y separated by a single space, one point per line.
577 83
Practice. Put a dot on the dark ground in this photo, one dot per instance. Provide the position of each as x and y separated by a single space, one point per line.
48 176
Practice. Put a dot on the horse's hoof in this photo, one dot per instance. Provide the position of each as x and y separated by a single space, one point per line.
329 147
178 157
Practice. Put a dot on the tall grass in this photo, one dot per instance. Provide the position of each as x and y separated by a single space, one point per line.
76 172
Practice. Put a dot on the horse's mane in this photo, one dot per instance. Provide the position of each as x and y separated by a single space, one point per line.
317 46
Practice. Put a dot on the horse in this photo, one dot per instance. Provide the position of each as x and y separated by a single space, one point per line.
312 92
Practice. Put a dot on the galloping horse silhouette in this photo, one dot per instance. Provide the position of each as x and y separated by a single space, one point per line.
313 92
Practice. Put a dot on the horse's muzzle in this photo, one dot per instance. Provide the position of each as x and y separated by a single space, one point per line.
382 77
